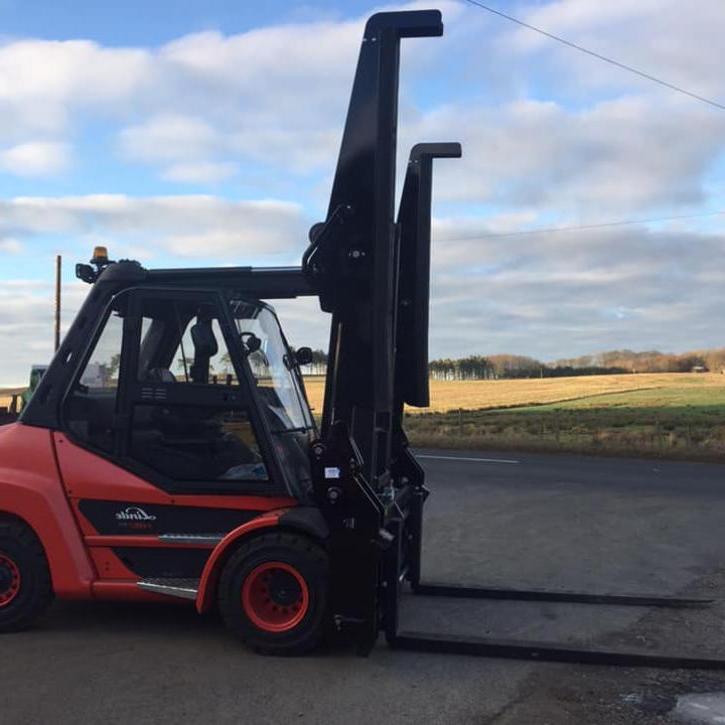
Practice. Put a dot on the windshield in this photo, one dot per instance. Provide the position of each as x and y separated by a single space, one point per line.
272 365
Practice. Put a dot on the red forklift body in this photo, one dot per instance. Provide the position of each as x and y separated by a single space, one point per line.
31 490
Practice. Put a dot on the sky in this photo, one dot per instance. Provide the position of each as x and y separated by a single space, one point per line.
206 133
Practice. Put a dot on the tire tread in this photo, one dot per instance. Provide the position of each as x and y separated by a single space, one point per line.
15 529
230 612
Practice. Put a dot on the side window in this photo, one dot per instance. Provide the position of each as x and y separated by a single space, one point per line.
91 406
220 371
182 342
197 444
187 425
100 374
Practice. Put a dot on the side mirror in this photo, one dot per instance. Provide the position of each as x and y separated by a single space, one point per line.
251 342
303 356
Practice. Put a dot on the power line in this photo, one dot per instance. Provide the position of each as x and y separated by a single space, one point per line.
599 56
580 227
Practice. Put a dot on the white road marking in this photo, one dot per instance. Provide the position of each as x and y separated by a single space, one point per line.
462 458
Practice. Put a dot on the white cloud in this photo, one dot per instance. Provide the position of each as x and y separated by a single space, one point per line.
188 149
271 63
27 318
35 158
46 84
612 157
275 95
10 246
80 70
202 172
202 105
655 36
169 137
192 225
159 231
552 294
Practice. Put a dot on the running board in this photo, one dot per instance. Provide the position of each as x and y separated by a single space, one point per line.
544 652
181 588
542 595
199 539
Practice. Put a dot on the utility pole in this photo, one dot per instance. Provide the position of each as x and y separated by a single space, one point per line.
58 269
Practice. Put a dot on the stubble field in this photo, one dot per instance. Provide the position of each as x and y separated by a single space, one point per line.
673 415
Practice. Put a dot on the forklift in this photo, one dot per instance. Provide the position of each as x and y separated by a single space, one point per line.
169 452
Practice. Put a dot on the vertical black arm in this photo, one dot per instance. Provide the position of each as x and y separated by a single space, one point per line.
352 257
411 354
414 220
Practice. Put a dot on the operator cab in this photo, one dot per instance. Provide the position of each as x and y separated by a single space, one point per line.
196 391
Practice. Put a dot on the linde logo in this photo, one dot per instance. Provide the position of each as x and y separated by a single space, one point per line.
134 513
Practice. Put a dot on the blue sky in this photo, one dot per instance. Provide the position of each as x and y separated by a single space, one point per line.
193 133
142 23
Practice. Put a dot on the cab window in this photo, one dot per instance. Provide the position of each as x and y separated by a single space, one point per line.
190 422
90 408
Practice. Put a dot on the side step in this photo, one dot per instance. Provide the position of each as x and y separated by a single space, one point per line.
181 588
543 595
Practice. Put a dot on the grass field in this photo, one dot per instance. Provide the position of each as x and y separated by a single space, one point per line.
489 394
667 415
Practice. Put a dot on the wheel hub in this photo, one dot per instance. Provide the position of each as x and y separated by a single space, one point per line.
275 597
9 580
284 589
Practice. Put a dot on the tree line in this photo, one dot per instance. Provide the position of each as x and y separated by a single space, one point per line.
494 367
652 361
318 366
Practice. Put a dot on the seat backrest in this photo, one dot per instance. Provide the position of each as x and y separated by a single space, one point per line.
205 343
205 347
160 375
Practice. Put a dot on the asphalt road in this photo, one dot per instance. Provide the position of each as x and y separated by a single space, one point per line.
561 522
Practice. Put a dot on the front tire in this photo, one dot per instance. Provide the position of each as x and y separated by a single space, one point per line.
25 585
273 593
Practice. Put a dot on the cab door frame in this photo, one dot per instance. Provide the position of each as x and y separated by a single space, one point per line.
132 392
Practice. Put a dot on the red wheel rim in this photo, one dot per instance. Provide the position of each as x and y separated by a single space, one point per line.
275 597
9 580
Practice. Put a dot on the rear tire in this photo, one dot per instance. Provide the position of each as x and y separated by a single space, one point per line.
25 585
273 593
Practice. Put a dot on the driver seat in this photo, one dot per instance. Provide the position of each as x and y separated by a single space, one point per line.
160 375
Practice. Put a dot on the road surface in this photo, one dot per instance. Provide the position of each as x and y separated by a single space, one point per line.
531 520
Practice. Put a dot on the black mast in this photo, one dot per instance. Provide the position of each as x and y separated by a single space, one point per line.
353 256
